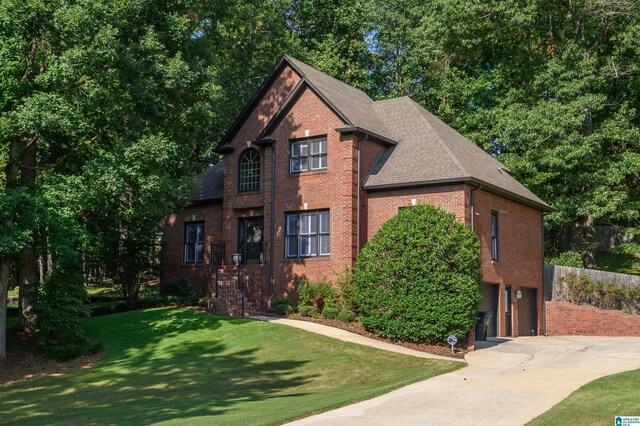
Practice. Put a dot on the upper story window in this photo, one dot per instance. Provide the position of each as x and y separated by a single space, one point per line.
249 171
308 154
308 234
194 242
494 235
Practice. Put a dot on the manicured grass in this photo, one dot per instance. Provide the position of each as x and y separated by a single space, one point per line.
621 263
598 402
183 366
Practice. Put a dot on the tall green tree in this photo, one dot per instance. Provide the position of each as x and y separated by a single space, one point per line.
551 88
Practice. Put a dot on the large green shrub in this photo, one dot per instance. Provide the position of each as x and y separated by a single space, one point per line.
419 278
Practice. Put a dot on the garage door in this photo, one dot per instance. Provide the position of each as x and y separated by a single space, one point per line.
528 312
489 302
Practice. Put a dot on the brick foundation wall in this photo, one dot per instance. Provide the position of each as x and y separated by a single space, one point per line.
568 319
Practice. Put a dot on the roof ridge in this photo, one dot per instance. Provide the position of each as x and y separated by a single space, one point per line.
289 58
435 134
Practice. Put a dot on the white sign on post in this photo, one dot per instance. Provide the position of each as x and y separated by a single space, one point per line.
452 340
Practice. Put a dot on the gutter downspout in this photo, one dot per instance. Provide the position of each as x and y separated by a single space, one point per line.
358 200
272 224
544 296
473 206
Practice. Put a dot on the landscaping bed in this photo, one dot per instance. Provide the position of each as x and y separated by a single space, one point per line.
356 327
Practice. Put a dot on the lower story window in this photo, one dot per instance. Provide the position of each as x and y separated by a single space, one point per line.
308 234
194 242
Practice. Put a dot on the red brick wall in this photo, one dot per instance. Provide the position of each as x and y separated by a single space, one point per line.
564 318
519 261
383 205
333 189
172 266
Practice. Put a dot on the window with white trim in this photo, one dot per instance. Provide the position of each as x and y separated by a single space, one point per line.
249 171
308 154
307 234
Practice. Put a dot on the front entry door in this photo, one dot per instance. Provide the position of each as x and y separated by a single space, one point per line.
508 305
250 240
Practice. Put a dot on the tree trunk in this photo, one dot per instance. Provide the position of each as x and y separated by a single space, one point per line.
4 290
28 273
28 280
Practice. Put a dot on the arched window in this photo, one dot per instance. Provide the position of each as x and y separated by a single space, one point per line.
249 173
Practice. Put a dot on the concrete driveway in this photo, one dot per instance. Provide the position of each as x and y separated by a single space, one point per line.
508 383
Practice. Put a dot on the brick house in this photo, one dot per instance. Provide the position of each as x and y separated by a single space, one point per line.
313 167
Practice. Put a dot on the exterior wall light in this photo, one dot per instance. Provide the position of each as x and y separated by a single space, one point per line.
519 294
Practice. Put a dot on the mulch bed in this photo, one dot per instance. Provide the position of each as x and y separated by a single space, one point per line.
356 327
25 362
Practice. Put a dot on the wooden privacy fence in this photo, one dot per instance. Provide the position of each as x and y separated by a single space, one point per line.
553 273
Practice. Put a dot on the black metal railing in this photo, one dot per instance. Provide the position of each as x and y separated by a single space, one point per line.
239 289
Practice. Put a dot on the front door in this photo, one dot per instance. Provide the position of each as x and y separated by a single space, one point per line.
250 240
508 306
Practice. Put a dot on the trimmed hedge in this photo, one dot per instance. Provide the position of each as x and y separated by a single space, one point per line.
419 278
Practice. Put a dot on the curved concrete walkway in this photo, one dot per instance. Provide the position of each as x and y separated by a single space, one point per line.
347 336
509 383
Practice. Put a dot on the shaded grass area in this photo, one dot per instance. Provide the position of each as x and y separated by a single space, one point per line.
620 263
183 366
598 402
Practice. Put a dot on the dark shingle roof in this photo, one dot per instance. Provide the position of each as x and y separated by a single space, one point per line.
353 104
426 150
429 150
211 185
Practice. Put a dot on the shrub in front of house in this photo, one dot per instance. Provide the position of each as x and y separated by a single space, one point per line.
346 316
316 294
308 311
281 305
419 278
346 286
331 312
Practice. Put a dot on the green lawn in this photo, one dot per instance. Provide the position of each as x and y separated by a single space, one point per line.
183 366
598 402
621 263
